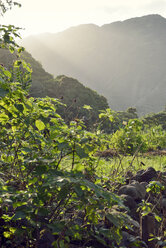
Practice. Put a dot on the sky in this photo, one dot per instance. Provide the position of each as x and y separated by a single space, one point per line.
40 16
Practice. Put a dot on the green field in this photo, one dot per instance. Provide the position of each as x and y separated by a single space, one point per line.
122 164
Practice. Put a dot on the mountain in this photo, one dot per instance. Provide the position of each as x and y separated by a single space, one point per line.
68 90
125 61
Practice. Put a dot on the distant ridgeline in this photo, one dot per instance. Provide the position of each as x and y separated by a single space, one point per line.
124 61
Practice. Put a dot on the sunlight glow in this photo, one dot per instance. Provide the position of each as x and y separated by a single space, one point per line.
38 16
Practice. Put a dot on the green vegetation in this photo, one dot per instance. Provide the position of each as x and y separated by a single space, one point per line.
68 90
157 119
55 189
37 195
120 165
128 139
74 95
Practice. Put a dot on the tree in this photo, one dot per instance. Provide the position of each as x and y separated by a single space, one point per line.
132 110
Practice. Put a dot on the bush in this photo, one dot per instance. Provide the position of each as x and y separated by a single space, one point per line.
128 139
37 194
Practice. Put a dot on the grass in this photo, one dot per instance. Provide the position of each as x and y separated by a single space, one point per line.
114 169
120 165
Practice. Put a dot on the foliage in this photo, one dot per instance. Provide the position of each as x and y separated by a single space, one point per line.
68 90
156 137
134 135
111 121
7 4
7 37
128 139
154 190
132 111
37 194
75 95
157 119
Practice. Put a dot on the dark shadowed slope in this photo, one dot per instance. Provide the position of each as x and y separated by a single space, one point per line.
69 90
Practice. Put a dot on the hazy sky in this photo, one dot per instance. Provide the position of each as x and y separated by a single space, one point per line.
38 16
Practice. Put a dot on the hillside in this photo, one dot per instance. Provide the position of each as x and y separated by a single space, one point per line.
124 61
68 90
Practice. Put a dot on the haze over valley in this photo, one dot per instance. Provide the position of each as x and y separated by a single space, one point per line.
123 61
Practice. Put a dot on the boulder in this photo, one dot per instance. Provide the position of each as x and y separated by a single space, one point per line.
140 188
129 201
46 239
144 184
147 229
135 190
129 190
146 176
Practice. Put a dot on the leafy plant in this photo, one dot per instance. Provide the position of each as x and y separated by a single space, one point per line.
37 194
128 139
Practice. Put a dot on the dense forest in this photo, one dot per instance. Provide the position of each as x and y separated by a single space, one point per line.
69 178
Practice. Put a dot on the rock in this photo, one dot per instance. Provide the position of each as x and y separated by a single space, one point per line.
129 190
147 228
146 176
163 204
135 190
144 184
140 188
46 239
138 174
129 201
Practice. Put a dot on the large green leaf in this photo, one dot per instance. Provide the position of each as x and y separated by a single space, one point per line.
40 125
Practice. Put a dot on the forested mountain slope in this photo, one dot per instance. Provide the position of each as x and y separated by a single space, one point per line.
124 61
68 90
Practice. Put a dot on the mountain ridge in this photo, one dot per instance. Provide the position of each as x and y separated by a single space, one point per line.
124 61
67 90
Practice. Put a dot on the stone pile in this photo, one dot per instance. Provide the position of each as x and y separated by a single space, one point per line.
134 195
